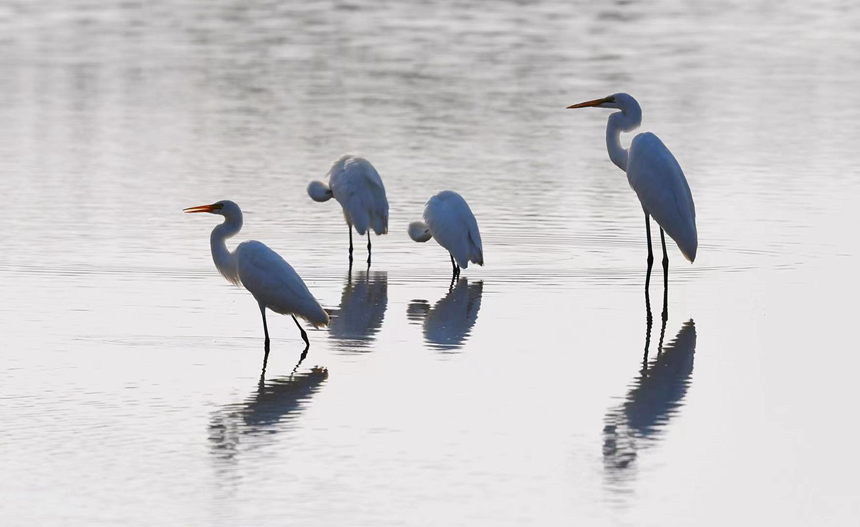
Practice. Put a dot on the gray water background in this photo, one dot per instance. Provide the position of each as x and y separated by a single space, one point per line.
130 370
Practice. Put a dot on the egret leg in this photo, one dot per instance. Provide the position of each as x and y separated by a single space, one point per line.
456 268
265 326
350 242
302 358
665 277
368 247
304 335
266 345
650 255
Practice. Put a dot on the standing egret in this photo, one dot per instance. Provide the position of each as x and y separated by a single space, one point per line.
449 220
272 281
356 185
655 176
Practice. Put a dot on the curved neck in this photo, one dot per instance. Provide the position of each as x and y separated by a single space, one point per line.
626 120
225 261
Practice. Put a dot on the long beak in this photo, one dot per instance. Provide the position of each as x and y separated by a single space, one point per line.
586 104
200 208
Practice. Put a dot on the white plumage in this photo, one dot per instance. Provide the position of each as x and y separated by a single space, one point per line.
652 172
267 276
449 220
275 284
356 185
657 179
662 189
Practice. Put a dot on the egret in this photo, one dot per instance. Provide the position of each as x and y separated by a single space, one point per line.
356 185
449 220
655 176
272 281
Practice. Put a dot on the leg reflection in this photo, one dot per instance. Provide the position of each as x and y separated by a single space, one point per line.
665 277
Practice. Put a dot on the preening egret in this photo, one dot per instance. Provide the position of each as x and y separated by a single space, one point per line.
272 281
356 185
655 175
449 220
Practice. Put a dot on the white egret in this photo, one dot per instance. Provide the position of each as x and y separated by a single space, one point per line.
356 185
272 281
655 176
449 220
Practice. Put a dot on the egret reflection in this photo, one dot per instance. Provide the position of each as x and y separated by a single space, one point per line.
362 309
268 410
447 324
655 397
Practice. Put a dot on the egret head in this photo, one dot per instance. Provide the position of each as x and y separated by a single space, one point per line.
319 191
419 231
222 208
617 101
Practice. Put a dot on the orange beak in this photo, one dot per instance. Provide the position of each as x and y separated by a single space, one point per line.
203 208
586 104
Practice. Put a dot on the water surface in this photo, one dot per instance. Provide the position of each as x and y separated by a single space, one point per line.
533 391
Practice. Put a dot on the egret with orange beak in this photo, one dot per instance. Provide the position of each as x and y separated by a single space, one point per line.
272 281
655 176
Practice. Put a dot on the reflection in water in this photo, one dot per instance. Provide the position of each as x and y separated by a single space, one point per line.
447 324
655 397
273 402
362 308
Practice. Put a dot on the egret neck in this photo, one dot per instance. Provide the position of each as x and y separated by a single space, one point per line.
225 261
627 120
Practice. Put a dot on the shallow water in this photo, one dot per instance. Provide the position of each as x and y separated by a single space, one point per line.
531 392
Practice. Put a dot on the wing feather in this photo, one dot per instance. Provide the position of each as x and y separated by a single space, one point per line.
662 189
454 227
356 185
275 283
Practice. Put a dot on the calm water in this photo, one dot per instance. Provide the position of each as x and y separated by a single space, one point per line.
530 392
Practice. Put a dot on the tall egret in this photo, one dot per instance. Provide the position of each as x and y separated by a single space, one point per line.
272 281
356 185
657 178
449 220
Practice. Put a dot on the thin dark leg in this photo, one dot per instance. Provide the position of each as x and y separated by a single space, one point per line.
302 358
650 254
265 326
307 343
266 345
368 247
453 265
350 242
304 335
665 277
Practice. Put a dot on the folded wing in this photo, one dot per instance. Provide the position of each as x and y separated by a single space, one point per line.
662 189
274 283
356 185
